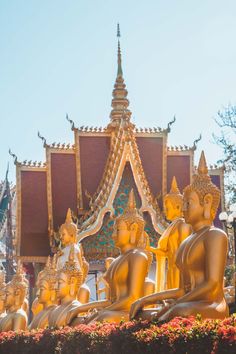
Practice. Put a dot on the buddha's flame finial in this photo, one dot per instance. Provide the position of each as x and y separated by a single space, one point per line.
202 166
119 69
131 200
69 217
174 187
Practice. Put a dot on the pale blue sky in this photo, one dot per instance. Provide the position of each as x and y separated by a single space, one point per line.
179 57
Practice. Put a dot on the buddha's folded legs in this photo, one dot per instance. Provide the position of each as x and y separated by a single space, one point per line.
110 316
203 308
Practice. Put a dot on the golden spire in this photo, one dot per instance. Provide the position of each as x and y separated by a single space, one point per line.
174 187
119 68
202 166
120 103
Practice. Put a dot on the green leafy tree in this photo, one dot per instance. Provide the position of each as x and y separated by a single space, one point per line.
226 120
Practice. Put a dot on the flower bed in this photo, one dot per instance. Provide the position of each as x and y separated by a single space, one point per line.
181 336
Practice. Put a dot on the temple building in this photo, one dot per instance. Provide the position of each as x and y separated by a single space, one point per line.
93 176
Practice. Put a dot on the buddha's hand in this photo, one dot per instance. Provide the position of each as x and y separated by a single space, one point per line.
136 307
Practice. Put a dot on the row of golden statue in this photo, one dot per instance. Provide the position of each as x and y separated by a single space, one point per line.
195 250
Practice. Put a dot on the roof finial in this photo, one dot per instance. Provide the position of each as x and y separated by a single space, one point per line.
119 70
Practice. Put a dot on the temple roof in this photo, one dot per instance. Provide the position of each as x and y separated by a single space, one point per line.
123 149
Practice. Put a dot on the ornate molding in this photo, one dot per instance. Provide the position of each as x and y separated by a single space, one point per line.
18 209
49 194
150 132
62 148
78 172
164 166
32 259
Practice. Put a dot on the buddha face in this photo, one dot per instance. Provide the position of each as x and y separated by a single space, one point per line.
63 287
193 210
172 208
66 237
121 234
67 285
44 292
10 297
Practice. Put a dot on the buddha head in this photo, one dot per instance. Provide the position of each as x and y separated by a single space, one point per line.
129 226
201 197
47 284
42 272
2 291
173 202
16 290
68 231
70 278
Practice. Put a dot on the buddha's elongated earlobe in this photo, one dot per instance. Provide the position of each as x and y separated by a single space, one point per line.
207 206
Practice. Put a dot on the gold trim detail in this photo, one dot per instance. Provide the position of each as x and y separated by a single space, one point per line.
18 208
32 259
49 193
164 166
78 171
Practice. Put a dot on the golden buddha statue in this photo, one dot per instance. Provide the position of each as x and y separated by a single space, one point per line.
201 259
149 284
2 294
101 280
47 295
125 286
16 289
36 306
83 295
69 279
68 236
170 240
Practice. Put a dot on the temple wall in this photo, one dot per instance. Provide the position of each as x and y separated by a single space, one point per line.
94 152
63 181
151 154
34 214
178 166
